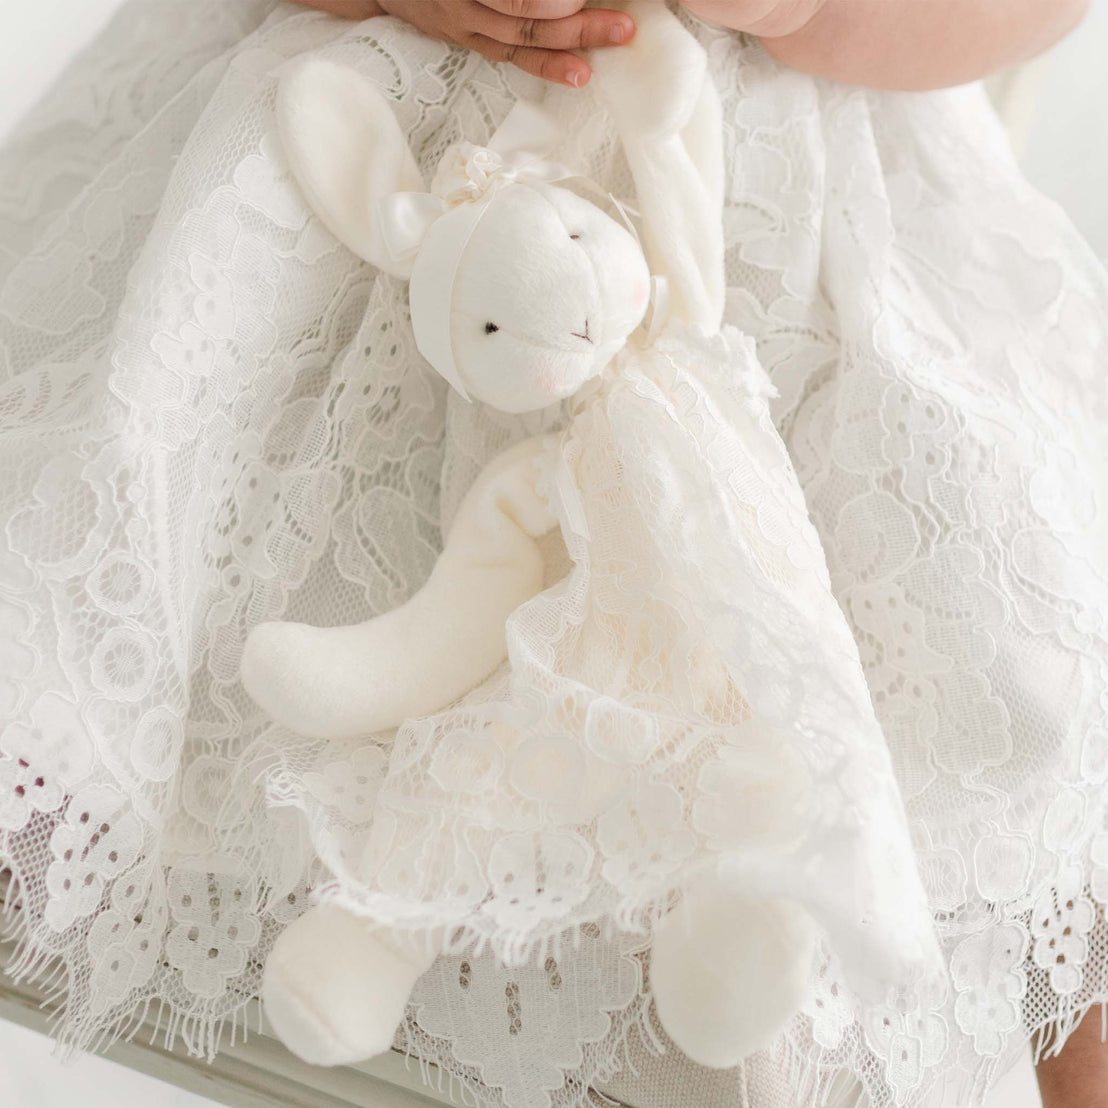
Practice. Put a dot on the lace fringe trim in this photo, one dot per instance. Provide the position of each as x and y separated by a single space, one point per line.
815 1073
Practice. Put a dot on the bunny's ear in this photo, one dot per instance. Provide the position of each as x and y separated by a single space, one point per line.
346 151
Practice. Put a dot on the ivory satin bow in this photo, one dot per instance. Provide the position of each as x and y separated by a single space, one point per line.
470 174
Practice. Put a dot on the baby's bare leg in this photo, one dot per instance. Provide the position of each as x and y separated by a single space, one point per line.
1078 1076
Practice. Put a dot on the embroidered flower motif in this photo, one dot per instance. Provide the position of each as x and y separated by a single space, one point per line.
125 941
829 1009
469 761
909 1042
619 734
121 584
123 663
44 760
537 877
1002 866
944 877
528 1006
1064 822
226 473
468 172
263 180
190 352
407 863
752 795
875 536
919 426
214 300
644 839
350 785
1094 753
970 700
64 492
259 506
987 971
204 793
97 841
157 743
215 929
1060 921
124 956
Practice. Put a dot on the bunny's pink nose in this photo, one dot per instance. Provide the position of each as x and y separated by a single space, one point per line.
582 335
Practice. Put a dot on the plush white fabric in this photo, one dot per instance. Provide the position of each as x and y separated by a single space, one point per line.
346 682
335 989
728 972
673 142
546 290
342 159
212 416
562 283
562 306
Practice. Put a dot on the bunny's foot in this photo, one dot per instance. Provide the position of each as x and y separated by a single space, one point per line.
335 990
728 972
662 55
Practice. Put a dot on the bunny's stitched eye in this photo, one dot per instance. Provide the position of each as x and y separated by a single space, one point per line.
491 328
575 236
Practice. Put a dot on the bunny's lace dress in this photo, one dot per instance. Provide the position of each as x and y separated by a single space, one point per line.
212 415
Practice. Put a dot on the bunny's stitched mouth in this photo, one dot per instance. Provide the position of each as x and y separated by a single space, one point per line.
585 336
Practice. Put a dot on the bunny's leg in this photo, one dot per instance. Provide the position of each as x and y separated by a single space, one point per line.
728 972
335 989
345 682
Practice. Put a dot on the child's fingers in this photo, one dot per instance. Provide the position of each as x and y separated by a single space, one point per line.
535 9
558 66
581 31
346 9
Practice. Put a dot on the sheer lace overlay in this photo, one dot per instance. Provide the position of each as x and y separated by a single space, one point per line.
212 415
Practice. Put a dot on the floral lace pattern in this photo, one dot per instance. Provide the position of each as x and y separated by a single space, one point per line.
211 415
642 729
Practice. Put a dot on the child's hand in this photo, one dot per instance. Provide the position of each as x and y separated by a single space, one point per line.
769 18
535 35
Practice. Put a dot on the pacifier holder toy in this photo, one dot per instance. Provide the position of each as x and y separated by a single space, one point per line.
675 736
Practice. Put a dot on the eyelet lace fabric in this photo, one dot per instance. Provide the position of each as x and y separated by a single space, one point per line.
211 415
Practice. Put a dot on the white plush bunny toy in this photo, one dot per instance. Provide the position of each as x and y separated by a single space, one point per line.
655 688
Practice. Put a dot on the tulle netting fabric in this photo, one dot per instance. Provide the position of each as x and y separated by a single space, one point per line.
211 415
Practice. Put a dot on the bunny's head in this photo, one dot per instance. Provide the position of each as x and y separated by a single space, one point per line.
521 290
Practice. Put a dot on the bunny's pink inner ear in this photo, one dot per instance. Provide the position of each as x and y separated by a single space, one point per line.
346 151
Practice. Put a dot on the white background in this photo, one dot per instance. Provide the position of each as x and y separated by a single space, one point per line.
1067 151
1065 154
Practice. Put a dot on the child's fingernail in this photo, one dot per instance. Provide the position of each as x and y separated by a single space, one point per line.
616 33
576 77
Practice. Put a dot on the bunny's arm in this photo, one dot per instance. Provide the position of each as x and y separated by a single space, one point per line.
344 682
667 113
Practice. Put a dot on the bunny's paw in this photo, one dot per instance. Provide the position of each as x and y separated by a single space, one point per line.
728 972
652 86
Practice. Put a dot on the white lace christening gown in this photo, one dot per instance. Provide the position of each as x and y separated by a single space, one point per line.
211 415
